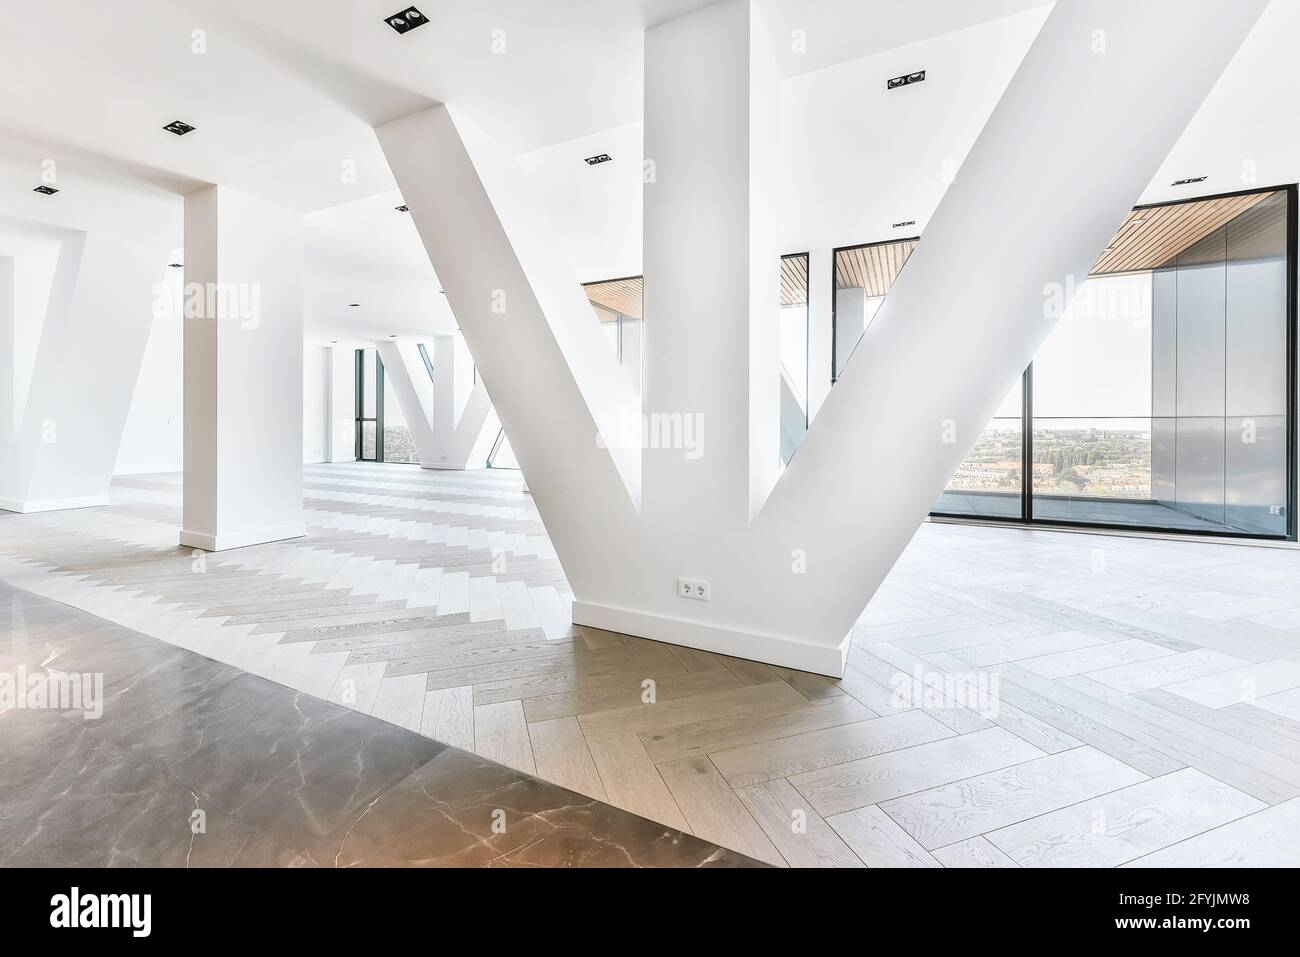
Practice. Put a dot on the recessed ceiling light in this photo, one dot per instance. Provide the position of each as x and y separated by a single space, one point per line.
909 222
176 265
907 79
179 127
47 190
403 208
597 159
392 335
1189 181
407 20
353 305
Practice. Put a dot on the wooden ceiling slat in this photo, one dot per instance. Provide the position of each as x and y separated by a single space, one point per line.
618 295
1168 231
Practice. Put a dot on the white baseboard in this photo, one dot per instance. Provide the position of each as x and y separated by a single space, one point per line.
443 467
256 536
52 504
826 660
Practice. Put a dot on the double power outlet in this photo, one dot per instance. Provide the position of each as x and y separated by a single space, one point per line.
693 588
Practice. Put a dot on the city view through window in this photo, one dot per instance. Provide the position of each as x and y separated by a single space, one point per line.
1158 400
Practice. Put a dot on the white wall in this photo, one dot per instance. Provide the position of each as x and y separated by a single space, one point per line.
153 438
315 403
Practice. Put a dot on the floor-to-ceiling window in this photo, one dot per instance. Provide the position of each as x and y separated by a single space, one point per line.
381 431
1164 397
369 405
862 277
793 352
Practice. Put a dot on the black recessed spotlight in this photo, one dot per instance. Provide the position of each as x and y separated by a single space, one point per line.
392 335
46 190
1188 182
597 159
907 79
176 265
407 20
179 127
353 305
403 208
908 222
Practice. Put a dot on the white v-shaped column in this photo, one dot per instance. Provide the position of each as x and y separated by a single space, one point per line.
1097 103
445 432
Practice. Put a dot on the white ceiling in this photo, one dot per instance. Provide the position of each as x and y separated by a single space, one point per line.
369 253
287 92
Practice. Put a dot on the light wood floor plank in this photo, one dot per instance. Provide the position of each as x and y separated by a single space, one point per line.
563 758
854 784
449 716
769 760
878 840
714 810
705 737
501 735
1126 824
954 812
972 852
1267 838
799 833
633 782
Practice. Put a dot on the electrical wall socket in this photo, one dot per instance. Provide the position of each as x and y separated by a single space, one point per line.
693 588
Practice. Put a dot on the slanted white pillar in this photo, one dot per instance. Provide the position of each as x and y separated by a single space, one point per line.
552 376
243 371
447 428
1065 154
66 422
850 323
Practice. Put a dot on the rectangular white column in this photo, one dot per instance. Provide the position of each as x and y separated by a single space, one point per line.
243 371
712 261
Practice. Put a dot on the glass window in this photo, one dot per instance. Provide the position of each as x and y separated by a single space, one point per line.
618 305
863 275
793 352
990 483
1160 399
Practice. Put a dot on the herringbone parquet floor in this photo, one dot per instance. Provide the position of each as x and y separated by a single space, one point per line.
1014 697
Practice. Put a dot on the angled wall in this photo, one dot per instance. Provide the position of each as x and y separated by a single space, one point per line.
68 417
1063 157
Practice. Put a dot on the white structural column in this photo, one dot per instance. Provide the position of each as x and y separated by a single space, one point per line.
712 262
65 423
1066 153
243 371
549 370
1063 157
448 416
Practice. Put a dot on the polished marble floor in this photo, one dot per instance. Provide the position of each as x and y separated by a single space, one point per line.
1014 697
182 761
